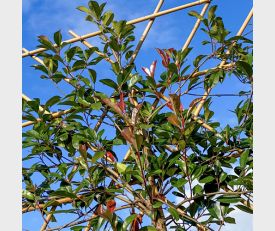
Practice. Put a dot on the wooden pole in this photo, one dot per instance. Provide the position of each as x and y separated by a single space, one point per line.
195 28
48 218
134 21
87 44
54 115
145 32
41 109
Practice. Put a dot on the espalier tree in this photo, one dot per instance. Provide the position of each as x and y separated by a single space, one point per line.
182 170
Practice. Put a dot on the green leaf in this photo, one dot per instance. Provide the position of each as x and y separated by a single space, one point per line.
33 134
79 64
75 141
78 228
148 228
28 195
96 106
178 182
109 83
61 193
214 79
128 221
108 18
92 74
174 213
57 38
230 220
244 158
229 199
155 112
245 67
157 204
206 179
211 13
195 14
121 167
198 59
95 8
215 211
52 101
84 9
245 208
134 79
97 156
84 102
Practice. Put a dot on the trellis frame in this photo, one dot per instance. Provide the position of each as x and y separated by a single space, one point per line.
151 18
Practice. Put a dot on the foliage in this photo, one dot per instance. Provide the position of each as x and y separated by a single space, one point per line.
182 169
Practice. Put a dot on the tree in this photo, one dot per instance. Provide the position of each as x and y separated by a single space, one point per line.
176 152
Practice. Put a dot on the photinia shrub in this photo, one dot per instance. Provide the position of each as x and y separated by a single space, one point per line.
181 167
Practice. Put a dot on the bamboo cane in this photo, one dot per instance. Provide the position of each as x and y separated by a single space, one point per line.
87 44
134 21
48 218
41 109
34 57
40 61
195 28
54 115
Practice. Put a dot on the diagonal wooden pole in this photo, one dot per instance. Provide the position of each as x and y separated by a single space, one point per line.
195 28
145 32
40 61
54 115
87 44
134 21
41 109
47 219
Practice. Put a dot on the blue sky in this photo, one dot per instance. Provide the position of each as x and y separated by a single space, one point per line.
46 17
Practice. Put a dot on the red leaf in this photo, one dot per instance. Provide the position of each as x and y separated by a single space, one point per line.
139 218
135 225
150 72
181 107
99 210
121 103
165 57
129 136
111 205
182 122
83 147
169 105
110 155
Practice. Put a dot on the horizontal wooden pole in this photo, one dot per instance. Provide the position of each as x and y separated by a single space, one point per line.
134 21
